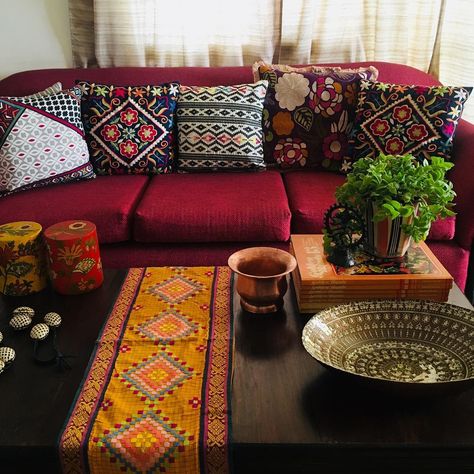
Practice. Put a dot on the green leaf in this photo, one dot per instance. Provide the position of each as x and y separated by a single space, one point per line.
391 210
271 77
304 118
406 211
401 185
20 269
395 204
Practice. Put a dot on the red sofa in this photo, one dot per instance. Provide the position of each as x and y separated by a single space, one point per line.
200 219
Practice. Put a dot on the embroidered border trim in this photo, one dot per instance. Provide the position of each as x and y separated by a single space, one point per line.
214 453
73 440
216 391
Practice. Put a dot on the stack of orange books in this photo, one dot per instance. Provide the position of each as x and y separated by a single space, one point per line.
320 284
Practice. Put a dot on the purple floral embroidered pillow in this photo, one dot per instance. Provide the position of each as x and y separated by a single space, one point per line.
308 116
397 119
129 130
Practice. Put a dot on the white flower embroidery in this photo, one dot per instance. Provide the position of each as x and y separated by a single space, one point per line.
291 90
346 166
174 89
461 94
455 111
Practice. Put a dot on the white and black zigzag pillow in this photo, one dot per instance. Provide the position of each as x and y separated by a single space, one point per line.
220 128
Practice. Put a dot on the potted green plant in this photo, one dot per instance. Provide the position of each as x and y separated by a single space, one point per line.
399 198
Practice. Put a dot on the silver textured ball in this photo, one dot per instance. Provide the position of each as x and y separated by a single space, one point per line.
24 310
20 322
53 320
39 331
7 355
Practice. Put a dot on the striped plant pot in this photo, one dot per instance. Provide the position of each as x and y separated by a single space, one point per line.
385 238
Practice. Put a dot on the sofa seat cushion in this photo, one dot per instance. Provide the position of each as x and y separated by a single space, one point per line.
310 193
215 207
443 229
108 201
454 258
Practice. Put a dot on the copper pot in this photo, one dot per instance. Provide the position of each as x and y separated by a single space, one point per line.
261 277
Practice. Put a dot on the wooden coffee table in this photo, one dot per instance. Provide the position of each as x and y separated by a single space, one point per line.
35 400
288 414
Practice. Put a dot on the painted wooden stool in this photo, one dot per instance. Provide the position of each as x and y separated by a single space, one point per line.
22 258
73 256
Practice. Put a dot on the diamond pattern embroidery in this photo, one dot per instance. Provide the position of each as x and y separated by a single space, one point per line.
128 133
156 376
401 127
221 126
145 444
167 326
176 289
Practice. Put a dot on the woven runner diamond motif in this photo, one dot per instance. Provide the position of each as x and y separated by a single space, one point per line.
176 289
167 326
157 375
145 444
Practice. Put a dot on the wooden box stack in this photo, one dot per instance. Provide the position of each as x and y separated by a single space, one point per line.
320 284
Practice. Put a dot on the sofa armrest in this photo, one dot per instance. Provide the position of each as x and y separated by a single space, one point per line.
462 176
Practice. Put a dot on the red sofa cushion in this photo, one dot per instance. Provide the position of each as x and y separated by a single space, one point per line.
443 229
454 258
215 207
108 201
310 193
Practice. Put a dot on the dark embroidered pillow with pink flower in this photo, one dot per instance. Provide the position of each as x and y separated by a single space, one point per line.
308 116
129 130
397 119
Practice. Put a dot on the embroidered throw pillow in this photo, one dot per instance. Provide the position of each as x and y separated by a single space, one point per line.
42 141
129 130
220 128
51 90
397 119
308 116
259 67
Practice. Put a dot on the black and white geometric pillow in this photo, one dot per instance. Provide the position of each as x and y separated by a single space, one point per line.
42 141
220 128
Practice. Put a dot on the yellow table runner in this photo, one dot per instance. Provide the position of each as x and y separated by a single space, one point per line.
156 394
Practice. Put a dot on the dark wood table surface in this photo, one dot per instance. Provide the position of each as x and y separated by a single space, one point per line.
35 400
288 413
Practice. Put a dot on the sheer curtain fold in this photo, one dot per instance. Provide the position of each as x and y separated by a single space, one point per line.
436 36
184 33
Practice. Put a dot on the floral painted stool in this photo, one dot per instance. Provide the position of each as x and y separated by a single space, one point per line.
22 258
73 255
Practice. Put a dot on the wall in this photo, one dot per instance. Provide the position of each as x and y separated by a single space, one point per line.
34 34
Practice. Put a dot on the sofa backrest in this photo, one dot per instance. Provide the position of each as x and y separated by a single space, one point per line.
28 82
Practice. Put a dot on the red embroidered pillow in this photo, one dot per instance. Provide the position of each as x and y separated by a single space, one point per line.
129 130
397 119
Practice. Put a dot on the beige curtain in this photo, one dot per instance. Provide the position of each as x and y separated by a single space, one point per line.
436 36
401 31
177 33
